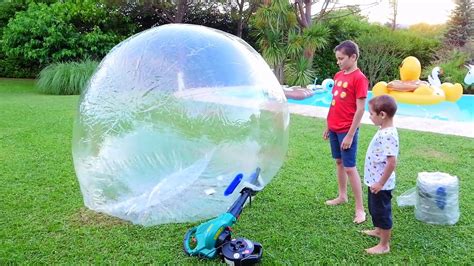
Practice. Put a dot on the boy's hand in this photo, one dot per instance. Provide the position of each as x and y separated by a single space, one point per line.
347 142
375 188
326 134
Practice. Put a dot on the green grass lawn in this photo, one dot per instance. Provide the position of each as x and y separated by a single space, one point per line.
43 219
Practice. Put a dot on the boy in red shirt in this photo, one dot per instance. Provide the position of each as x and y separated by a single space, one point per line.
345 113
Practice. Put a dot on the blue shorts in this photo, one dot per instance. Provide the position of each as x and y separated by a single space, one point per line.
380 208
348 156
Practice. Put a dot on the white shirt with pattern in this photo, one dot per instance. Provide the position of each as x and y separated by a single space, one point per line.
384 143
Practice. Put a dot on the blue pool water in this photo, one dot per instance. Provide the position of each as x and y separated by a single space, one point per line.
462 110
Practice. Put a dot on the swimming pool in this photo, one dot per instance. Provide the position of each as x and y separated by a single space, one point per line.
462 110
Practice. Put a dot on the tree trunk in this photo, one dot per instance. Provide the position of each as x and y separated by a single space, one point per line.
240 19
244 16
278 70
394 6
303 15
240 28
182 7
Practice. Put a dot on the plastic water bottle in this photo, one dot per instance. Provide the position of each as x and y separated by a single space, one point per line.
440 197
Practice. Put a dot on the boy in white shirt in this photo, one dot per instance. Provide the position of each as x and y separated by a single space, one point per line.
379 173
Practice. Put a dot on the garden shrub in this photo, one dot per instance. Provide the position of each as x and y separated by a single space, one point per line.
66 78
14 68
453 62
382 51
9 67
8 11
435 31
70 31
343 25
74 30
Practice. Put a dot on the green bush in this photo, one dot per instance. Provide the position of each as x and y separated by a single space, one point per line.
7 11
66 78
14 68
69 31
382 51
452 62
9 67
343 25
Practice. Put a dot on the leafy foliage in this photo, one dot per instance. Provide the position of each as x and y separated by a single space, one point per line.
297 71
66 78
273 26
45 34
382 51
142 14
8 11
428 30
343 25
10 67
75 30
380 57
453 64
461 25
286 47
147 14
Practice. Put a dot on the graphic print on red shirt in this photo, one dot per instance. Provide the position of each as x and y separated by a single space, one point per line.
347 89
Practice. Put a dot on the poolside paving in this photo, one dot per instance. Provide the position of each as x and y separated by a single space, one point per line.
465 129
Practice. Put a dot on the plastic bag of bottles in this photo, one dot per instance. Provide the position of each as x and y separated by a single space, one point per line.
437 198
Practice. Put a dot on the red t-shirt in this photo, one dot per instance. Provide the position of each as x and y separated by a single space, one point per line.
347 88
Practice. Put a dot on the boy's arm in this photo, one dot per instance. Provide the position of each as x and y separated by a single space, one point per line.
388 170
347 142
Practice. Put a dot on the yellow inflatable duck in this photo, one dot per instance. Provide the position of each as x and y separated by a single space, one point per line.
410 89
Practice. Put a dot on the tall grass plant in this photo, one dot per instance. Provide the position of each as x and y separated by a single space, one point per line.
66 78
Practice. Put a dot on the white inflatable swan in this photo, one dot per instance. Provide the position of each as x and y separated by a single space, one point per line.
469 78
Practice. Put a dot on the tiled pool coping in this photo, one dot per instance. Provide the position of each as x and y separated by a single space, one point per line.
465 129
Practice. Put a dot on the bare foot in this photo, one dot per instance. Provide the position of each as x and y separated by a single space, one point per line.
359 217
379 249
374 233
336 201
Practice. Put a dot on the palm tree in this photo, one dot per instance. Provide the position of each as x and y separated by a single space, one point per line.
286 46
274 23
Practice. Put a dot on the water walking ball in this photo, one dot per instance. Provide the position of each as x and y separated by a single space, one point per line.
169 118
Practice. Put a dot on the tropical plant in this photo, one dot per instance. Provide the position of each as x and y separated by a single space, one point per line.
288 48
297 71
273 24
66 78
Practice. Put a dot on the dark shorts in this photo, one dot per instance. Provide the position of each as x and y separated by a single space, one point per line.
348 156
380 208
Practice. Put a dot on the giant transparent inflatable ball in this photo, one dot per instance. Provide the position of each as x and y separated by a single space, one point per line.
169 118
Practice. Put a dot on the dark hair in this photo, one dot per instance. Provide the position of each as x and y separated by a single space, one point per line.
384 103
348 48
